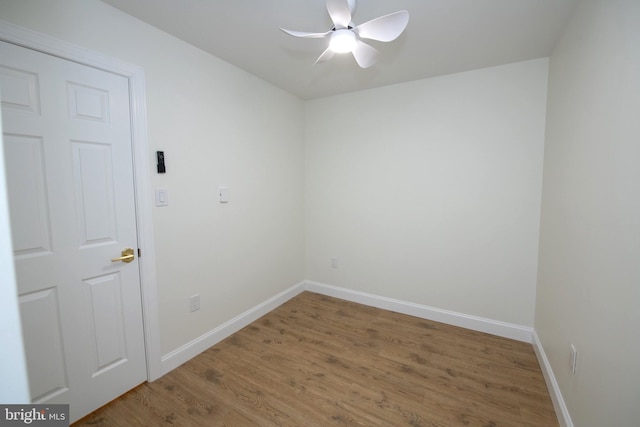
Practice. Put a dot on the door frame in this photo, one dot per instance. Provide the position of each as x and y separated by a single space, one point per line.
141 169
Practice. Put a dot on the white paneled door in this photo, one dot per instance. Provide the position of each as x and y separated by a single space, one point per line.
67 143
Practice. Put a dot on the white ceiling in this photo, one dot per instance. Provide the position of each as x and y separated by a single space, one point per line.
443 37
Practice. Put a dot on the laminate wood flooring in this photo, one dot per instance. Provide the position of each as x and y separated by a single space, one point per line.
322 361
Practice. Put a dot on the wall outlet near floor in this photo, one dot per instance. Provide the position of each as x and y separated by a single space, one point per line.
573 360
194 302
334 262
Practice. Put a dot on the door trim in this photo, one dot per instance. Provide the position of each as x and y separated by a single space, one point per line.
142 183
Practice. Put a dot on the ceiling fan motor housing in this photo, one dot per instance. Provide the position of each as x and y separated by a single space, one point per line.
342 41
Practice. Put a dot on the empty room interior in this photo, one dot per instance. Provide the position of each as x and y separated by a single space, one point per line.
481 175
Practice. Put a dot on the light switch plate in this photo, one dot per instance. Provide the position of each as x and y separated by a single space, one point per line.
162 197
223 193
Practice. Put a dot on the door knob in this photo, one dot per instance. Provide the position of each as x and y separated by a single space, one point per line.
127 256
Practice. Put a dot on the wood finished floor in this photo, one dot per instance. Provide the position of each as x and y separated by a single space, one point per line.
321 361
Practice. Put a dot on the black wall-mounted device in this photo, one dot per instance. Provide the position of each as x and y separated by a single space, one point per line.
160 158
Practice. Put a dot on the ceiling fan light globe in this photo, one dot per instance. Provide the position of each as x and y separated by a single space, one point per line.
342 41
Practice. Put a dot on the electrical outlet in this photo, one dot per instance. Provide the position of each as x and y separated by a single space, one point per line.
573 360
334 262
194 302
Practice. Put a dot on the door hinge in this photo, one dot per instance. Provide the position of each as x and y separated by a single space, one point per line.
139 252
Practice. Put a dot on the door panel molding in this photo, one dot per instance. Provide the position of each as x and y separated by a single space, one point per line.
52 379
142 181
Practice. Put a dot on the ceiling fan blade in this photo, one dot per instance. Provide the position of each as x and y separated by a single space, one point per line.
326 56
385 28
340 13
365 55
352 6
305 34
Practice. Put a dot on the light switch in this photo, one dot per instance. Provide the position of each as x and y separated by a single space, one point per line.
162 197
223 193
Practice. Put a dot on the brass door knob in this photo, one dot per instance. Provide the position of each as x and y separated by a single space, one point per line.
127 256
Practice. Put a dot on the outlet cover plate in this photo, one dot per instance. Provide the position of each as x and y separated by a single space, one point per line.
194 303
573 361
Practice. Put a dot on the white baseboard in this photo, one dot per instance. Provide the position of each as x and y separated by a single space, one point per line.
559 405
191 349
494 327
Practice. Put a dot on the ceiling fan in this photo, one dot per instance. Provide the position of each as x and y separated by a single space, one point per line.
344 37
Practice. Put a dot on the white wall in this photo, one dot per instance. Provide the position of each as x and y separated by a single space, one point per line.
429 191
217 125
589 273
